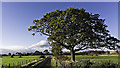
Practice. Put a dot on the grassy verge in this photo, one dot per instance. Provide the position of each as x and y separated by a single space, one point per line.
93 62
52 62
38 62
0 61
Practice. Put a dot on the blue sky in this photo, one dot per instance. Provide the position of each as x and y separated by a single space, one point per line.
18 16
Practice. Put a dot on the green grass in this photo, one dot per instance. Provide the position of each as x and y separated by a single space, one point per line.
39 62
0 61
6 60
52 62
96 58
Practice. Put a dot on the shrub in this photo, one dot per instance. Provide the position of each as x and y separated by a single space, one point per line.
106 64
42 56
83 64
12 56
90 64
20 56
63 58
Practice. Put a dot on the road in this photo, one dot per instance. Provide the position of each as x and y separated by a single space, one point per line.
46 63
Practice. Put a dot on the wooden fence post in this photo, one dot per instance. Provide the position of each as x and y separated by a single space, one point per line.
71 65
22 62
29 60
13 65
6 66
9 65
56 63
2 65
26 61
17 64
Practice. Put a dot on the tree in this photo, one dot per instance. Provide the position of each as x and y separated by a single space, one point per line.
75 29
56 49
9 54
46 52
12 56
20 55
38 53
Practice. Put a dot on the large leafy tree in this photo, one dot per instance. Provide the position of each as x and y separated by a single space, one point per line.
56 49
75 29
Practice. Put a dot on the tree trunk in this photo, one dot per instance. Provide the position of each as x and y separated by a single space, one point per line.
72 54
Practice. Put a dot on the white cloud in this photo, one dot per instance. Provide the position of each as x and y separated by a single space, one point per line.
42 43
40 46
66 50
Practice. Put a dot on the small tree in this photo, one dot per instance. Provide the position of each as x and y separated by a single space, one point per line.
20 55
41 53
46 52
108 52
36 53
12 56
9 54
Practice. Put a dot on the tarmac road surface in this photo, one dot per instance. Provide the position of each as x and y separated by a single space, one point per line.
45 64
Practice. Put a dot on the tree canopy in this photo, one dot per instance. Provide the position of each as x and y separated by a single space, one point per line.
46 51
56 49
75 29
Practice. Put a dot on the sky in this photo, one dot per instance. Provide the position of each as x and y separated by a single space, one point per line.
60 0
18 16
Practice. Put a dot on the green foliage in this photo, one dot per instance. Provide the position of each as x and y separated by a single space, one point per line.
20 54
37 53
46 52
75 28
56 49
71 27
90 64
63 58
42 56
96 58
83 64
12 56
106 64
9 54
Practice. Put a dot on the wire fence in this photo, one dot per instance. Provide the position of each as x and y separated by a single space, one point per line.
18 64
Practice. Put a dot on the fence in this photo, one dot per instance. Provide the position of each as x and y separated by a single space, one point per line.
17 65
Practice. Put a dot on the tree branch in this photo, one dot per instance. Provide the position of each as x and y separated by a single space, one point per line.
67 47
46 34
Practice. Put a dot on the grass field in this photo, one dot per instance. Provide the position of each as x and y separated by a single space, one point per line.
0 61
96 58
6 60
92 58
